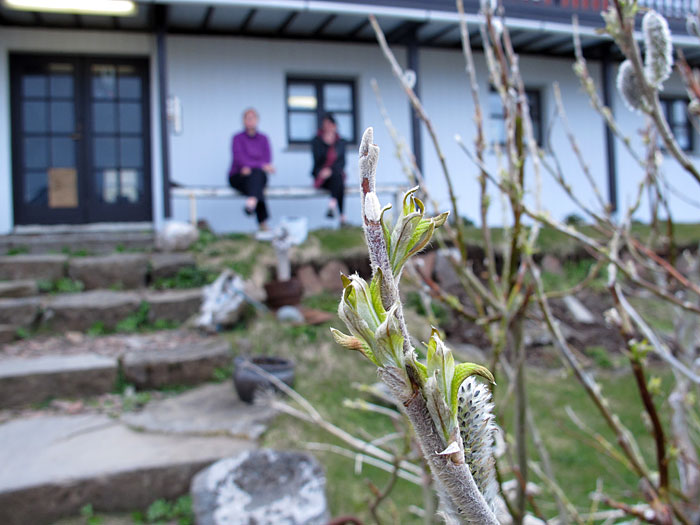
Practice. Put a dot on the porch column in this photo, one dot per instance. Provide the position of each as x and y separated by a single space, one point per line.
161 20
606 78
412 59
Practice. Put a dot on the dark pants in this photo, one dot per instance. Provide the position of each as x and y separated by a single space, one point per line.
252 185
335 184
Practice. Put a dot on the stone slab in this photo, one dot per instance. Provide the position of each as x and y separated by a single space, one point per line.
183 365
578 311
22 311
36 267
169 264
125 270
261 487
79 311
329 276
174 305
309 280
26 381
206 410
19 288
7 333
53 466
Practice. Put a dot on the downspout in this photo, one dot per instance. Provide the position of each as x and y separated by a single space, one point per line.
606 76
162 57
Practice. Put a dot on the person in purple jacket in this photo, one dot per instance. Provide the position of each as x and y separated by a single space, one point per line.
252 162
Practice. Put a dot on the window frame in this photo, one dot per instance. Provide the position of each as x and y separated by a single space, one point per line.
667 102
530 92
318 83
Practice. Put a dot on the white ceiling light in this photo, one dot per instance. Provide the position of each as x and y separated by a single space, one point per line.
84 7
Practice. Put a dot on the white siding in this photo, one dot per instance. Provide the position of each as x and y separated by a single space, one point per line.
80 43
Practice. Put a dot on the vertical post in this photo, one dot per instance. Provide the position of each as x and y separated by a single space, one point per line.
412 52
161 18
606 77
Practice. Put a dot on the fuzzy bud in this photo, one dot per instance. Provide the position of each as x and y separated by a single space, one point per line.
372 207
477 428
629 87
658 57
692 25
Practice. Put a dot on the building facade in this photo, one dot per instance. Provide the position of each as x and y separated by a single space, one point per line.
101 115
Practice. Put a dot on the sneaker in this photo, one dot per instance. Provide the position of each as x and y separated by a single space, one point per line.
330 213
265 235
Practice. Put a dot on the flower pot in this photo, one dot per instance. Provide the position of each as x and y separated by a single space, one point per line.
282 293
247 381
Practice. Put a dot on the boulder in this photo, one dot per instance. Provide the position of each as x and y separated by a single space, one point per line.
38 267
265 487
19 312
21 288
79 311
578 310
169 264
124 270
176 236
329 276
183 365
552 264
309 280
445 274
174 305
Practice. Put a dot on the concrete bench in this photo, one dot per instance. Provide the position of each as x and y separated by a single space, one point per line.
193 193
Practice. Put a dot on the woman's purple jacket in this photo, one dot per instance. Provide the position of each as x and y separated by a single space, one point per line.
253 152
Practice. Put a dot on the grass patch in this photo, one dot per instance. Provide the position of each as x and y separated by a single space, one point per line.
188 277
17 250
337 241
62 285
573 272
326 301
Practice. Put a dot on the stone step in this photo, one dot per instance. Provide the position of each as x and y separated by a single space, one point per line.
35 267
18 288
53 466
27 381
23 311
124 270
90 241
173 305
169 264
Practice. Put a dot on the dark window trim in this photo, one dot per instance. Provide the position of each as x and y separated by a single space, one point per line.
530 92
666 105
318 83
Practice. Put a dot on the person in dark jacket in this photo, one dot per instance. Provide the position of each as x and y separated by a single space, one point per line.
328 149
252 162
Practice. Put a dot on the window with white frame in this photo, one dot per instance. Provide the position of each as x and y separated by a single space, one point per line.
676 111
497 123
308 99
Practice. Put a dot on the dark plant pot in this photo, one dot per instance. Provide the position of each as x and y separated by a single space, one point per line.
247 381
283 293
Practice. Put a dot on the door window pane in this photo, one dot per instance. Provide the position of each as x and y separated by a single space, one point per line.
61 86
104 81
129 87
34 117
104 118
34 86
345 125
35 187
302 126
36 152
337 97
108 185
130 117
131 154
62 117
105 152
62 152
301 96
129 185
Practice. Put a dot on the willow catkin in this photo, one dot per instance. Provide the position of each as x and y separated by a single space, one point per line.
658 49
629 87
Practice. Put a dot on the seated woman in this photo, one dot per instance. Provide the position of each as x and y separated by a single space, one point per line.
252 162
328 149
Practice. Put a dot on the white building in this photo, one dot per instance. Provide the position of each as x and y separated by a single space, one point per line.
85 138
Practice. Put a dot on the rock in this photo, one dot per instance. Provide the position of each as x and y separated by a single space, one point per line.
23 288
265 487
290 314
176 236
174 305
329 276
425 264
34 380
578 311
207 410
309 280
7 333
169 264
182 365
37 267
53 466
124 270
19 312
552 264
445 274
80 311
537 334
